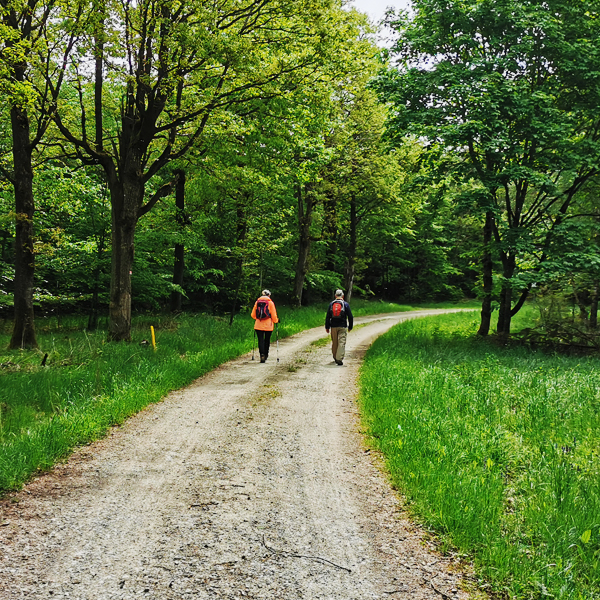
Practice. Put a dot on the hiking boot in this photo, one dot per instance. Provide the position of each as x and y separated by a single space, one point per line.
262 358
339 362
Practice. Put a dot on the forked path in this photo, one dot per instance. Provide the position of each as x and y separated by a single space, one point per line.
253 482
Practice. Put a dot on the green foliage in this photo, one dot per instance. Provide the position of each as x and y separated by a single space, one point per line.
496 449
292 110
498 91
72 235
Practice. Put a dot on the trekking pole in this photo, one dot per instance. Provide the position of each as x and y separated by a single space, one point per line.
253 340
277 327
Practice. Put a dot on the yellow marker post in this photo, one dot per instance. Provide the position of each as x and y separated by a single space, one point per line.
153 338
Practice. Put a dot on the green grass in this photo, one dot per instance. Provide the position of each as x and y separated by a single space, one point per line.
89 385
496 449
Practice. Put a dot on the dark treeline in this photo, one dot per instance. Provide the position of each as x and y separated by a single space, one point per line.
182 156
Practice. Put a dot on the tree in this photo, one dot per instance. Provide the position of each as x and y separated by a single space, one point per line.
487 81
364 177
239 206
179 266
72 234
22 25
166 71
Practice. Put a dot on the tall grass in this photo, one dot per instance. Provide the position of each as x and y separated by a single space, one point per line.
87 384
496 449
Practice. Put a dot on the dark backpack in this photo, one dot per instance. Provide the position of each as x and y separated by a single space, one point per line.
262 310
338 310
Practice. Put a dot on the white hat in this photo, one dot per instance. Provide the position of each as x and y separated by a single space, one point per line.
266 293
339 294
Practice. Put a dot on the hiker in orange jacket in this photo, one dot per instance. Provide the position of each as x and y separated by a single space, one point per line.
264 314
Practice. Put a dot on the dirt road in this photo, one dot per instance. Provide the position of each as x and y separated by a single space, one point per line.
253 482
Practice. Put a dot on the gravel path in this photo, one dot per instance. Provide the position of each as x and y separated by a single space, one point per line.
253 482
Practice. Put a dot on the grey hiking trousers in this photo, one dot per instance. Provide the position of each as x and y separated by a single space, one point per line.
338 342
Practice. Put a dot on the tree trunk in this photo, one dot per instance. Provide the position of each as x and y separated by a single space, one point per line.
241 231
350 264
126 199
93 316
519 305
95 308
330 233
583 313
179 266
504 316
505 311
99 75
487 275
594 307
23 335
237 290
305 213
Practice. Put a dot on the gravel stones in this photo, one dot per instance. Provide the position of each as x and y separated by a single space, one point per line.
251 483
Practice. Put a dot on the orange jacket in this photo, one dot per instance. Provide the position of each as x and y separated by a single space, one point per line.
265 324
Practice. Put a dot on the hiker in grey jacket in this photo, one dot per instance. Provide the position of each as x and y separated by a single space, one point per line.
339 320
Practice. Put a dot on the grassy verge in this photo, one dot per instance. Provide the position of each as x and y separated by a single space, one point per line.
496 449
88 385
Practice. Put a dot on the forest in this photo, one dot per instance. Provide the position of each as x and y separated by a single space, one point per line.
162 155
165 159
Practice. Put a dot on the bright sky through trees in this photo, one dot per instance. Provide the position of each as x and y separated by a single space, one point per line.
376 8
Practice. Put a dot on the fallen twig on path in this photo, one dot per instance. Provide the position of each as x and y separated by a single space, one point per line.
395 591
291 555
442 594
